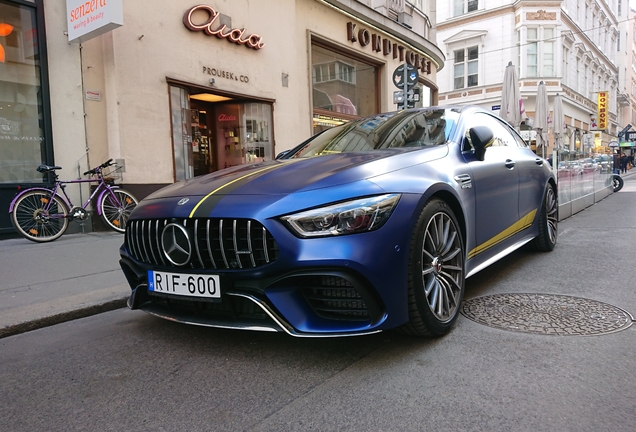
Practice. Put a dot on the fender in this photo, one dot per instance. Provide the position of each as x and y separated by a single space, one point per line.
31 189
99 198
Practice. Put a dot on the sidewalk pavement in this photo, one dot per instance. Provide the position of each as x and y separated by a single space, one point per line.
78 275
42 284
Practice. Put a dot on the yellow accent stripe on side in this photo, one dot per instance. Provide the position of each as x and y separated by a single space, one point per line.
518 226
226 185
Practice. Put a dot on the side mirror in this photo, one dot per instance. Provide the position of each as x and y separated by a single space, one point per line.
481 137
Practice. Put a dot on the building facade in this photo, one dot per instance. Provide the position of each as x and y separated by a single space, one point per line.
570 45
185 89
627 73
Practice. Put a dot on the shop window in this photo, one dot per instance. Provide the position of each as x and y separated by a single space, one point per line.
344 87
22 116
210 132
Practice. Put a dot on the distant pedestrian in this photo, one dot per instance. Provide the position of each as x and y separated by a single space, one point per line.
623 162
630 161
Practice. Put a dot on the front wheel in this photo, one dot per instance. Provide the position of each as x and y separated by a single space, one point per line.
436 272
40 216
115 207
617 182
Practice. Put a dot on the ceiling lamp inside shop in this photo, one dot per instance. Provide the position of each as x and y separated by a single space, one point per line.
207 97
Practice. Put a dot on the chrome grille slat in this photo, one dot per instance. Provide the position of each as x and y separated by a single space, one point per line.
207 239
196 242
152 250
235 242
224 246
265 245
143 239
221 243
138 234
249 242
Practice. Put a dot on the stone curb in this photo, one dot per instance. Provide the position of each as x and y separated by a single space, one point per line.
59 318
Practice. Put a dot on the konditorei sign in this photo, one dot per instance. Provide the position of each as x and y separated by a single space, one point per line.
87 19
388 48
210 27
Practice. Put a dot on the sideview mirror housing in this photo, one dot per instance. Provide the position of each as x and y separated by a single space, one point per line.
481 137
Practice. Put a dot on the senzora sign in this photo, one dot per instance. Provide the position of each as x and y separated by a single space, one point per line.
89 18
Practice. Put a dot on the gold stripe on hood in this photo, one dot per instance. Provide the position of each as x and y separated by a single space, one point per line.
228 184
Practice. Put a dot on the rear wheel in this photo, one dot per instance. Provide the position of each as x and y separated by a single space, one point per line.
617 182
548 223
436 272
116 207
34 221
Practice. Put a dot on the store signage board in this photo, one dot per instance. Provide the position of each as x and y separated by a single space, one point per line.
87 19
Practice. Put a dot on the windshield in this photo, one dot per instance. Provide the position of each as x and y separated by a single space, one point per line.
392 130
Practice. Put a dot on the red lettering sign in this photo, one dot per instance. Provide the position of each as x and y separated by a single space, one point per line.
236 35
227 117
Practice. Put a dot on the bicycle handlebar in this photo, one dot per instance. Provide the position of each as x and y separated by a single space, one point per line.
97 169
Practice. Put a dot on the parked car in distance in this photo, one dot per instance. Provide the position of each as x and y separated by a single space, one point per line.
368 226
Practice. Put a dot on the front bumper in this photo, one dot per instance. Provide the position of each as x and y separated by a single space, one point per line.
331 286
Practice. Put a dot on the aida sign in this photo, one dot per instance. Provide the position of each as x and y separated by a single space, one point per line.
603 102
205 19
87 19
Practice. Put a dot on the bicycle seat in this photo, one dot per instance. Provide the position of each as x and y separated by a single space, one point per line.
47 168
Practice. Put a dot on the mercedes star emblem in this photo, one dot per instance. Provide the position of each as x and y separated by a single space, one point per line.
176 245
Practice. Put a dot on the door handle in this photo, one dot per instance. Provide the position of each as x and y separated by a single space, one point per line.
539 161
510 164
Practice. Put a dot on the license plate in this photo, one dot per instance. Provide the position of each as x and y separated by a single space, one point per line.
192 285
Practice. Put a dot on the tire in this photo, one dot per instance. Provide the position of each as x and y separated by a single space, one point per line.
114 213
548 223
34 223
617 182
436 272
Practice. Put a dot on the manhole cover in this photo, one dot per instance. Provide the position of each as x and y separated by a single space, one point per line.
547 314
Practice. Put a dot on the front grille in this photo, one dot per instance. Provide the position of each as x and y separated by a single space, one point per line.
227 244
334 297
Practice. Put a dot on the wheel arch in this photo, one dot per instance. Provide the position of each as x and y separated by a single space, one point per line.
453 202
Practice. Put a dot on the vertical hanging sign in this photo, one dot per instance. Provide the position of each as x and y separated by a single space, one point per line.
603 103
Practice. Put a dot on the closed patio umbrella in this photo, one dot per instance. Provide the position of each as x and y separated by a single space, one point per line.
511 97
541 117
558 127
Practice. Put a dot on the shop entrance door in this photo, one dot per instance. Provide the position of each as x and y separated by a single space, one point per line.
213 132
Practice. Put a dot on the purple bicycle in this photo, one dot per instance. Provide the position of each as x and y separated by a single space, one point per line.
42 214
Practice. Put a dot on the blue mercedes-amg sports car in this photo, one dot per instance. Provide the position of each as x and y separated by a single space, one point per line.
368 226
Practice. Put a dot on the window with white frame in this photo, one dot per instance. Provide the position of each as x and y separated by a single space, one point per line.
540 52
334 71
466 67
461 7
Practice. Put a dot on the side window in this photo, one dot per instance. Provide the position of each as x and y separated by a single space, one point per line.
503 137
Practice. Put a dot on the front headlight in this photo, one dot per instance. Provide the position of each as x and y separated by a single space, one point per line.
360 215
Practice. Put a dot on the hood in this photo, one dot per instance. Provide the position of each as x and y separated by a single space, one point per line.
283 177
279 187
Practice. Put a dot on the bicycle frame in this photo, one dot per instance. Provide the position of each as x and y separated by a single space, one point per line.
103 187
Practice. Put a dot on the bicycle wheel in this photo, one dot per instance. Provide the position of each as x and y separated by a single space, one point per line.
116 206
34 221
